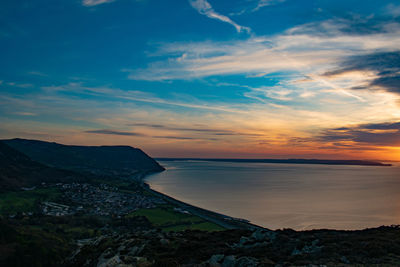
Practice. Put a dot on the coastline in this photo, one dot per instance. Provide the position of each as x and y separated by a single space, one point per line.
242 222
222 220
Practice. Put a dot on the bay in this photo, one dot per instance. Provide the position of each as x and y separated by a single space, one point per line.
297 196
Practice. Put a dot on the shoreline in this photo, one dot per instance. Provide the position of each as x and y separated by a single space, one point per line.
227 221
222 220
230 223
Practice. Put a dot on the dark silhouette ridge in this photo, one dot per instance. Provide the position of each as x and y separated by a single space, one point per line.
18 170
100 160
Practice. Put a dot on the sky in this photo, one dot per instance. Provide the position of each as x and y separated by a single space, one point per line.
205 78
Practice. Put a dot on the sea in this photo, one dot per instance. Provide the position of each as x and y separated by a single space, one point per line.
278 196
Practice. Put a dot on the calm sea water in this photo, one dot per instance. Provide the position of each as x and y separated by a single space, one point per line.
287 195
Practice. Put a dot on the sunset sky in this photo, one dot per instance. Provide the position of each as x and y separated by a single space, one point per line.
205 78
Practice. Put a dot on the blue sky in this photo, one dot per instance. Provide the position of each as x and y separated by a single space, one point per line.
244 78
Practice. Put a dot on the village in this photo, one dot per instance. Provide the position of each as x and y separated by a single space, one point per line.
102 200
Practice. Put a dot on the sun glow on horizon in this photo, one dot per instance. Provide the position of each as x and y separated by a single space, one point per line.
325 85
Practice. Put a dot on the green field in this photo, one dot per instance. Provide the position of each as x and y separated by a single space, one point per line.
169 220
26 201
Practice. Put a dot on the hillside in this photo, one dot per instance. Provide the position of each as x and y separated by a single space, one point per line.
18 170
100 160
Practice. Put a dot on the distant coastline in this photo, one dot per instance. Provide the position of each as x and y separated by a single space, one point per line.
287 161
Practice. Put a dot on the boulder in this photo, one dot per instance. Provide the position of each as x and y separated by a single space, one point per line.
246 262
136 250
229 261
112 262
261 235
243 240
164 242
216 260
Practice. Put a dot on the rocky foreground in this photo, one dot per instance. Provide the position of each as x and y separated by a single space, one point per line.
371 247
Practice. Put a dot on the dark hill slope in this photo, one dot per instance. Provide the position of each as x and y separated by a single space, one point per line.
101 160
18 170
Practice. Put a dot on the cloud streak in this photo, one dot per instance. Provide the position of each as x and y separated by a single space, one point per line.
112 132
123 133
264 3
217 132
95 2
137 96
385 67
375 134
307 51
205 8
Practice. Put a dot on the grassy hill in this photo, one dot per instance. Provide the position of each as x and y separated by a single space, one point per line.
18 170
99 160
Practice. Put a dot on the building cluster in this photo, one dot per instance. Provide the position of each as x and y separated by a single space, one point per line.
103 200
56 209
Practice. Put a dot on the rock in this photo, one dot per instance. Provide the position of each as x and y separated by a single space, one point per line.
136 250
243 240
164 242
108 253
308 249
296 252
260 235
113 262
313 248
315 242
267 262
216 260
246 262
229 261
271 234
142 262
150 233
345 260
255 245
128 259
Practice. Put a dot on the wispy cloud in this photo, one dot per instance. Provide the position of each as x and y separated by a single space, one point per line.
20 85
255 5
22 113
203 129
263 3
185 129
306 51
383 68
112 132
205 8
393 10
121 133
174 137
38 73
138 96
95 2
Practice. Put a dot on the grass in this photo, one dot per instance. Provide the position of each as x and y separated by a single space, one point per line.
203 226
25 201
169 220
161 216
